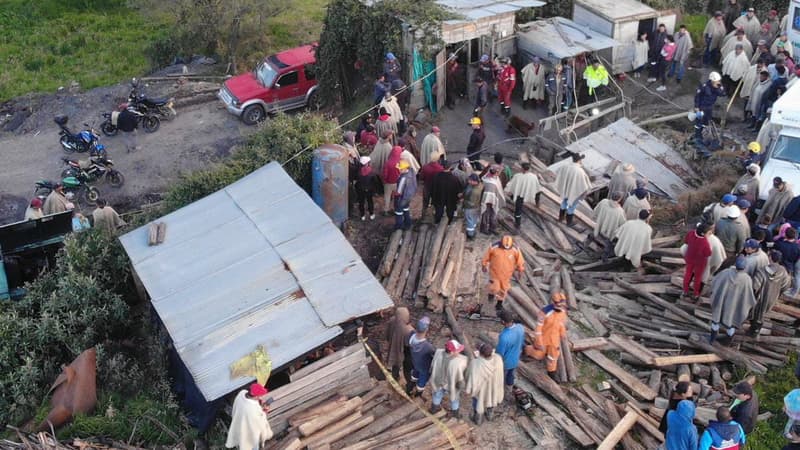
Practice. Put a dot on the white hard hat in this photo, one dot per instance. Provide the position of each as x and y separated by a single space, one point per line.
714 76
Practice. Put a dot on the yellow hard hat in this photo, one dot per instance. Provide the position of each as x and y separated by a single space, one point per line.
475 121
403 165
754 147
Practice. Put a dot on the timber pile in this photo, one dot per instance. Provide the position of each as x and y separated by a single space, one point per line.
425 265
377 419
342 373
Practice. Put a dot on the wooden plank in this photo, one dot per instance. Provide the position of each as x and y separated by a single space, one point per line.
728 354
646 422
620 430
391 251
663 303
626 344
686 359
570 428
579 345
642 390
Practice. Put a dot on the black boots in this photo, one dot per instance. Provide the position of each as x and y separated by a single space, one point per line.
489 414
498 306
561 214
435 408
455 414
570 218
712 337
477 418
536 198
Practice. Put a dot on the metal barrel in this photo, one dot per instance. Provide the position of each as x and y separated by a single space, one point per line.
329 181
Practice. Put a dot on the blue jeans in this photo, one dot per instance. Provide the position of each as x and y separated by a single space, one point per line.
510 376
677 67
438 396
421 378
402 215
710 56
570 208
569 98
471 217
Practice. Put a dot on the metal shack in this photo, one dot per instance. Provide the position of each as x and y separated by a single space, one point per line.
623 21
556 38
257 263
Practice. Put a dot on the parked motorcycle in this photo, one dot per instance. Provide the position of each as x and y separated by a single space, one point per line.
81 142
160 106
72 186
149 122
93 169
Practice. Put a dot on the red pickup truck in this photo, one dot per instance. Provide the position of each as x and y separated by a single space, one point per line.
281 82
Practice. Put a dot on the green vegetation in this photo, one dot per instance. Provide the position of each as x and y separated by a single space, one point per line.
696 23
771 389
50 43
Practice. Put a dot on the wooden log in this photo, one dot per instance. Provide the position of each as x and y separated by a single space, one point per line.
161 233
569 363
655 380
391 251
613 415
338 431
394 433
399 415
690 319
152 234
579 345
561 368
527 319
639 351
572 430
431 257
314 425
590 316
410 287
646 422
620 430
400 265
332 403
728 354
294 444
457 331
684 373
539 432
432 285
568 287
453 270
686 359
642 390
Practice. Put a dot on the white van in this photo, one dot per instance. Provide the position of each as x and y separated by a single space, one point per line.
783 154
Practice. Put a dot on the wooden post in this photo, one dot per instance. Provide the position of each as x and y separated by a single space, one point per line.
620 430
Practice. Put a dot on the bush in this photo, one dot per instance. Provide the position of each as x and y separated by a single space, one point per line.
280 139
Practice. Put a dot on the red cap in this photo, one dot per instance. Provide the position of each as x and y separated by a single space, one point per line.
435 129
36 202
453 346
257 390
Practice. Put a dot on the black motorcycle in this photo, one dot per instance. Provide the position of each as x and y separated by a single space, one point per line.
149 122
159 106
93 169
81 142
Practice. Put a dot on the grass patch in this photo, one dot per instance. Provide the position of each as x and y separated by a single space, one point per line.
771 389
50 43
696 23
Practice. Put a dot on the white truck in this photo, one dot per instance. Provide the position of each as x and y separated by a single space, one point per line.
782 158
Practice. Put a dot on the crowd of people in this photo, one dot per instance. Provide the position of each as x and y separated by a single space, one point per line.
103 217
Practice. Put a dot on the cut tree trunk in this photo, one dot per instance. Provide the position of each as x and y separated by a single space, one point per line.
640 389
621 429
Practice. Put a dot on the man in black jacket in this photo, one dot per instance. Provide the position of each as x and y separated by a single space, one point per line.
445 193
475 139
745 409
682 391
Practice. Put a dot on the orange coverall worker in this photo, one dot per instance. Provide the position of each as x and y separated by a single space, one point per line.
502 262
550 328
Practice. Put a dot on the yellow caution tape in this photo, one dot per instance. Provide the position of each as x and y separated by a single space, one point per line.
445 430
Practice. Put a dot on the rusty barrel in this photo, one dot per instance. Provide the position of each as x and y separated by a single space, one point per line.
329 181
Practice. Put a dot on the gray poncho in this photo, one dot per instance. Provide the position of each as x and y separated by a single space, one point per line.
731 297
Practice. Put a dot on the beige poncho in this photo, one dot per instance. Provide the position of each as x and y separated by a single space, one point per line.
751 26
431 149
380 153
633 205
640 49
393 108
750 80
448 372
730 46
774 206
572 182
525 185
411 160
716 30
54 203
493 194
715 260
533 82
249 427
634 241
107 219
757 95
485 382
735 66
609 216
622 182
786 46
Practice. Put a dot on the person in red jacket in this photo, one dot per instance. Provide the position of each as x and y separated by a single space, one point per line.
698 250
506 83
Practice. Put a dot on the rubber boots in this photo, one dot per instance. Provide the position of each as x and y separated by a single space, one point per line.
489 414
570 218
712 337
561 214
435 408
477 418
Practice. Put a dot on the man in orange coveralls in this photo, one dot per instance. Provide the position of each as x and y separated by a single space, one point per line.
505 84
550 328
501 260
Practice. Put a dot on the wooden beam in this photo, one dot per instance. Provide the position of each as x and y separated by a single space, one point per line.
579 345
661 361
662 303
642 390
620 430
591 119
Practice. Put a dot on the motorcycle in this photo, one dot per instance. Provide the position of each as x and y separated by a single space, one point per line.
93 169
160 106
149 122
72 186
81 142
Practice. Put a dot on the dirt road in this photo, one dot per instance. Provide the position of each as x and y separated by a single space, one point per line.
199 135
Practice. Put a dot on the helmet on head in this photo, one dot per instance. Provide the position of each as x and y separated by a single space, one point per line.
475 121
507 241
714 76
754 147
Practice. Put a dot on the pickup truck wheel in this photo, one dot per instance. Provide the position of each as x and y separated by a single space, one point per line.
253 114
314 103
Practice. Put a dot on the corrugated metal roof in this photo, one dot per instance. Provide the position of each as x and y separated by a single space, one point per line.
615 10
541 38
664 167
256 263
479 9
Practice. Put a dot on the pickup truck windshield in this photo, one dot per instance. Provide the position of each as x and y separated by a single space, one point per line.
787 148
266 74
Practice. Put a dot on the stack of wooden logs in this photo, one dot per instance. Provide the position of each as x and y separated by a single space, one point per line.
425 264
344 372
378 419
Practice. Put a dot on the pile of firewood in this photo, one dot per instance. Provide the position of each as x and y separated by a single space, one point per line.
378 419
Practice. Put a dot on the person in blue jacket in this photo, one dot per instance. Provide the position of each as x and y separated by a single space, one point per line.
723 433
509 345
681 432
704 98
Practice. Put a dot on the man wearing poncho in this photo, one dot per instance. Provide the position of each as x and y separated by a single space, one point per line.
493 201
448 372
249 427
572 182
623 180
739 38
485 382
533 82
634 239
750 24
637 201
609 216
523 186
731 299
779 196
769 282
432 148
397 333
751 181
755 258
714 33
734 66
